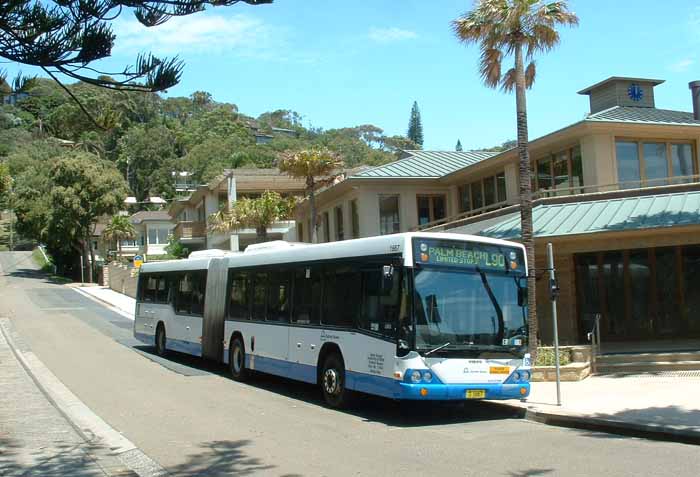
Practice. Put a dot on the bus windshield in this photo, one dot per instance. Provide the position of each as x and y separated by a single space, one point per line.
469 310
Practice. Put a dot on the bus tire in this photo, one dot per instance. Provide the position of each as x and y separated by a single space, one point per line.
332 382
236 360
161 340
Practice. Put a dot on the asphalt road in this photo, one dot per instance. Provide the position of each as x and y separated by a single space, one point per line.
187 415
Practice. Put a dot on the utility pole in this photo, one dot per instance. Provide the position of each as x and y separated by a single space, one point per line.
12 216
554 294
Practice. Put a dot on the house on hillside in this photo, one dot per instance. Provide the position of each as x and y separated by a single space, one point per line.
617 193
190 214
153 230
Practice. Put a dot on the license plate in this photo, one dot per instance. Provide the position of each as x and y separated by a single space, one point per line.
476 394
499 370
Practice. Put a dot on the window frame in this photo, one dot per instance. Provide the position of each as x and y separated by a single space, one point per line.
431 207
354 219
669 143
552 158
398 213
471 193
338 215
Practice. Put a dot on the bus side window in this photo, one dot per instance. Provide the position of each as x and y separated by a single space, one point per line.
278 296
183 294
307 296
199 289
380 306
162 289
149 294
239 297
259 288
342 294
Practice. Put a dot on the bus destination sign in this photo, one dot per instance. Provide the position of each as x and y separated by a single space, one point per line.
466 255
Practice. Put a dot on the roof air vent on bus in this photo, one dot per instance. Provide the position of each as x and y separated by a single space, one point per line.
273 245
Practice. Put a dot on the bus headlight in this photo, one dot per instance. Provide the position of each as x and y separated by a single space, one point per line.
516 376
416 376
525 375
427 376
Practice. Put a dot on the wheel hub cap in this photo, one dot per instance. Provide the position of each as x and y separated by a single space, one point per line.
330 381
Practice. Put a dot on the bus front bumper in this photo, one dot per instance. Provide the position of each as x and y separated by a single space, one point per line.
456 392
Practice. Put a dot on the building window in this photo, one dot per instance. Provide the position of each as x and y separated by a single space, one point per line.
430 208
653 163
339 226
355 216
326 227
485 192
389 222
158 236
562 172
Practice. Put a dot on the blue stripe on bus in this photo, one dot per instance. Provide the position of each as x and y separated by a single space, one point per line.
182 346
146 339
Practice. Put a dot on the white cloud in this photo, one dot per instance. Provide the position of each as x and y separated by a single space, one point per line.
682 65
389 35
201 33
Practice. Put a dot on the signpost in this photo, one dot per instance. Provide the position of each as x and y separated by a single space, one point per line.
554 293
138 261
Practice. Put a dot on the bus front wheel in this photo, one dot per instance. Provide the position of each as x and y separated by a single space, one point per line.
333 387
236 360
161 350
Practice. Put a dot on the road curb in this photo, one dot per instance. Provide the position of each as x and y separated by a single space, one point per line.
609 426
115 455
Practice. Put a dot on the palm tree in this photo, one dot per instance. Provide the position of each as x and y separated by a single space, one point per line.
257 213
120 228
517 29
316 167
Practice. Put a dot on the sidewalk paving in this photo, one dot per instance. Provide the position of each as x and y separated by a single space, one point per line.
663 405
35 438
122 302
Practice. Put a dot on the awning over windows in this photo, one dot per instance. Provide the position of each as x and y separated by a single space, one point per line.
610 215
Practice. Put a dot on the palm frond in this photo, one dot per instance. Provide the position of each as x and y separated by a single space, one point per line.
490 67
509 80
530 73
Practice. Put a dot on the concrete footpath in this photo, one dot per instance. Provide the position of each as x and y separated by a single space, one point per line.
46 430
662 406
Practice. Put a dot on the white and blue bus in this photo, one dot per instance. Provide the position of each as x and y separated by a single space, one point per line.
420 316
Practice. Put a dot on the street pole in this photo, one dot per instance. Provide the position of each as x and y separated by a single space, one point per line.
12 215
554 291
82 270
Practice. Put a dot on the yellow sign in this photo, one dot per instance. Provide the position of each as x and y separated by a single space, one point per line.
138 261
499 370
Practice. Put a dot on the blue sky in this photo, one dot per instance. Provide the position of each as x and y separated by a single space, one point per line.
342 63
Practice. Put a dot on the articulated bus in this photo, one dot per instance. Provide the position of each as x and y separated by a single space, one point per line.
415 316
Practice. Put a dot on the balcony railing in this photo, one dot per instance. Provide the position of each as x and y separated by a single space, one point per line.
190 230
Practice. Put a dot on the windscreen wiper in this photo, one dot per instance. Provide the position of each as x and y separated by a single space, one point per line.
437 349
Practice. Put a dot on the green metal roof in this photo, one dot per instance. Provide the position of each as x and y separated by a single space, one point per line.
629 114
426 164
611 215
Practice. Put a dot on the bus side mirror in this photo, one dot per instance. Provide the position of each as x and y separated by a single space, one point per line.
522 296
387 277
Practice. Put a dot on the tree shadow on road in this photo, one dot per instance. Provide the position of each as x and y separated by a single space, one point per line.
31 274
220 458
60 459
531 472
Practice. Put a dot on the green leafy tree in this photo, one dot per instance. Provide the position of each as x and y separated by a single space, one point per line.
84 188
316 167
259 213
5 180
176 249
458 147
516 29
415 125
143 152
119 228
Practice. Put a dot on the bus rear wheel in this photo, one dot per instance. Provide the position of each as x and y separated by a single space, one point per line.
333 387
161 339
236 360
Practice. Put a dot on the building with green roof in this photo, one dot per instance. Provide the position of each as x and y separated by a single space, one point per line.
617 193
